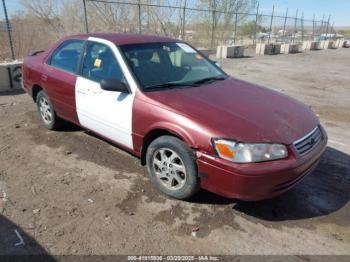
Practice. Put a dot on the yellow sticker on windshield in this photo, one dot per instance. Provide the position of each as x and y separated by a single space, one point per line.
97 62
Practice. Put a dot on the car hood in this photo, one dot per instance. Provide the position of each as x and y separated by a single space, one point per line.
239 110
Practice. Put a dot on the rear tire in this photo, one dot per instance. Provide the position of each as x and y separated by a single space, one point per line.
172 168
46 112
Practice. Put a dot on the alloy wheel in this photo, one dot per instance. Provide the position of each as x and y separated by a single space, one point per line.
45 110
169 168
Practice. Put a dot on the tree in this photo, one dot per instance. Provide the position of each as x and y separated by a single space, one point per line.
47 11
248 29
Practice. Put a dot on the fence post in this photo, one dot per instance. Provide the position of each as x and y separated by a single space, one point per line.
8 30
256 23
273 11
212 29
329 19
313 29
235 32
326 36
85 17
333 31
302 27
295 26
139 15
321 29
184 21
284 27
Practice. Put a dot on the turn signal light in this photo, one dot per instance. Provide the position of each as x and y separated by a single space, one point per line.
225 150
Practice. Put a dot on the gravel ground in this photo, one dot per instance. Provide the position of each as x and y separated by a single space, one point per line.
70 192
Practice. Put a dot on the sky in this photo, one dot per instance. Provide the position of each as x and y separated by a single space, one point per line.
338 9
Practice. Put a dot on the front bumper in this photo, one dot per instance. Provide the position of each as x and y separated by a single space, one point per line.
256 181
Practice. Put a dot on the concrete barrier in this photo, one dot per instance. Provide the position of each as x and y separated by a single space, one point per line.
10 76
268 49
291 48
310 45
339 43
327 44
332 45
234 51
324 44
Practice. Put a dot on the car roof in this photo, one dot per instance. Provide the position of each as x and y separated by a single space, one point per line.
125 39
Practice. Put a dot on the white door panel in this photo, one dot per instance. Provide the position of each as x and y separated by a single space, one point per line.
108 113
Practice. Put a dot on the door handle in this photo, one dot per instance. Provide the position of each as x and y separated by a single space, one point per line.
96 92
82 92
44 77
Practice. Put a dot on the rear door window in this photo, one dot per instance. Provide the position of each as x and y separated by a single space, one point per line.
66 56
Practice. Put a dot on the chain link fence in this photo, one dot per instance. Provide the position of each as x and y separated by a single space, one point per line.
199 22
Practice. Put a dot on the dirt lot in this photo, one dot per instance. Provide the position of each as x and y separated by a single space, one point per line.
70 192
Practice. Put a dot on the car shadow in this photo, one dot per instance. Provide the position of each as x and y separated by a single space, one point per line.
70 127
323 192
17 245
245 56
13 92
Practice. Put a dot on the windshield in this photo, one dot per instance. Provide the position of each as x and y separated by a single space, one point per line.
160 65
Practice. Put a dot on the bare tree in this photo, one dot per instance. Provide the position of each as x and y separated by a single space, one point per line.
163 20
220 20
46 10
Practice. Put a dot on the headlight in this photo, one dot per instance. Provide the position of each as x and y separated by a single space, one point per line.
248 153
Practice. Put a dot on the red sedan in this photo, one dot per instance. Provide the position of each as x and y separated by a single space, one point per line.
189 122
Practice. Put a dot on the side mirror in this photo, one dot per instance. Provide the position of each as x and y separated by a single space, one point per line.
111 84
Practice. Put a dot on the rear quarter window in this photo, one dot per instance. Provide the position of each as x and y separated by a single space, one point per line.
66 56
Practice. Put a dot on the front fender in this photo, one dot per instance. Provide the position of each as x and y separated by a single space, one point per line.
174 129
148 117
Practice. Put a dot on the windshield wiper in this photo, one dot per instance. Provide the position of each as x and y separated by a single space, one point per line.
186 84
167 85
208 80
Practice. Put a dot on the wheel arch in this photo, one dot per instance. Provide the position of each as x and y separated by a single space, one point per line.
35 91
158 132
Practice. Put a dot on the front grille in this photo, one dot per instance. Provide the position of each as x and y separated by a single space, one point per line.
306 143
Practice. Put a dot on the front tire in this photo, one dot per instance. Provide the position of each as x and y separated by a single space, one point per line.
46 112
171 167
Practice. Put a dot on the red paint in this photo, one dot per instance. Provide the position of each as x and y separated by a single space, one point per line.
231 109
58 84
257 180
237 110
